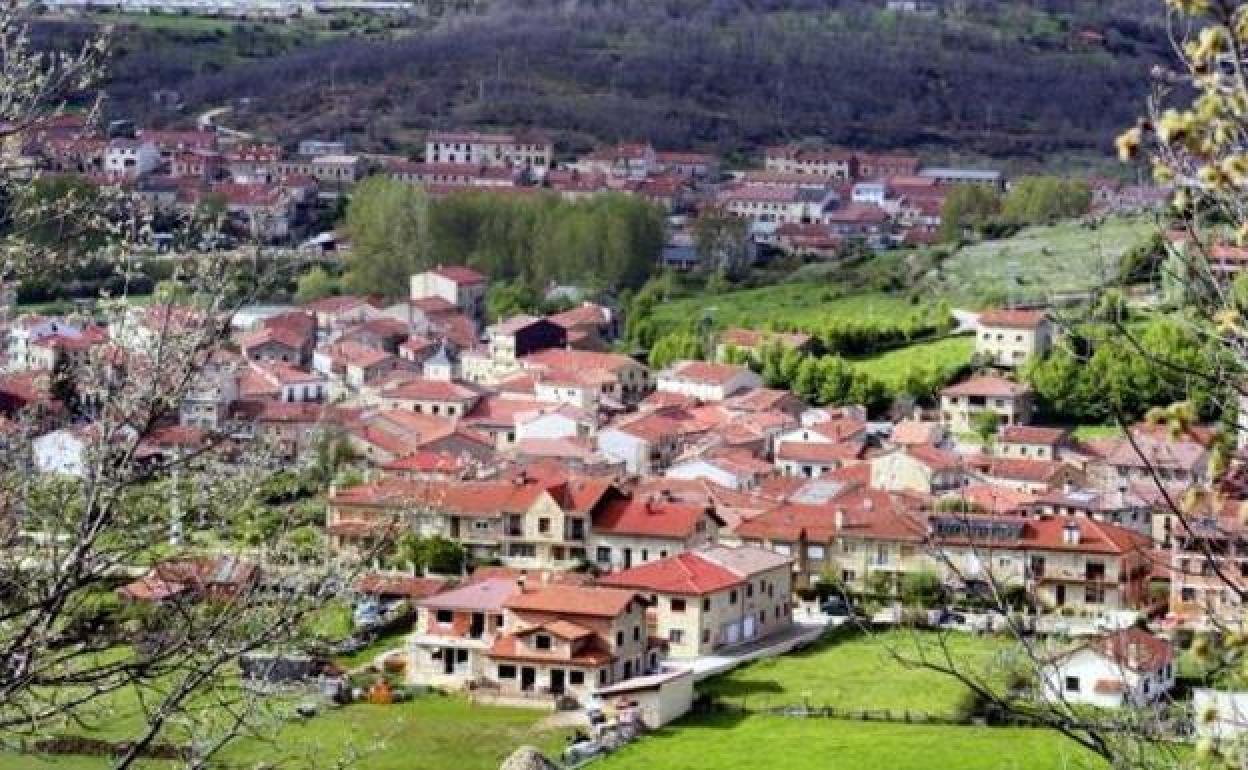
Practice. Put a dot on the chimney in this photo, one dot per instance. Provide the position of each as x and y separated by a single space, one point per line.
522 580
840 519
867 503
1067 488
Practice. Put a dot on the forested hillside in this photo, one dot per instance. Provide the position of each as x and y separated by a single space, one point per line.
1002 77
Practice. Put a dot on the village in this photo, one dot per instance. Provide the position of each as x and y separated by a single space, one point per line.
613 535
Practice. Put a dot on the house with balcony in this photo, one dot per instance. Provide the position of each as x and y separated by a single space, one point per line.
563 640
713 598
847 538
960 404
1075 565
454 631
522 521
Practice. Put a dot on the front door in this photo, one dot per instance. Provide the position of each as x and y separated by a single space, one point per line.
528 677
448 661
1060 595
556 681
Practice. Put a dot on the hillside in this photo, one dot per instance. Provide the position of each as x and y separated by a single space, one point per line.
1006 78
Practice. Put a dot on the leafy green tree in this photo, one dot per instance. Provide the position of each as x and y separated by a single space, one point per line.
807 381
316 284
388 224
677 346
1044 199
966 207
921 589
506 300
985 425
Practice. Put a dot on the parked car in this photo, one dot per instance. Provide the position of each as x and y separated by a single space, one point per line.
838 607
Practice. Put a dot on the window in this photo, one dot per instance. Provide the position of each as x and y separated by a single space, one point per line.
645 554
444 616
814 552
678 605
603 555
749 590
675 636
732 597
706 605
576 677
706 636
636 633
543 525
541 642
1072 684
506 672
782 548
619 638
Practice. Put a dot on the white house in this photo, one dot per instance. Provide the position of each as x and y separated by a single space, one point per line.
461 286
61 452
131 157
1126 667
706 381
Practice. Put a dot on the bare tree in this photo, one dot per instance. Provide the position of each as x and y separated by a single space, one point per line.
130 486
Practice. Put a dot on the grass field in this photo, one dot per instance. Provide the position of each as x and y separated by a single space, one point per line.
790 303
863 672
779 743
947 355
432 732
1066 257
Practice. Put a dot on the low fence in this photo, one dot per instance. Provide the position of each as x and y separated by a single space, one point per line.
808 710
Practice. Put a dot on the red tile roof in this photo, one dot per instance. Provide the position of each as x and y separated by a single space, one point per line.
459 274
706 372
1032 434
650 518
573 600
686 573
1013 319
995 387
820 453
399 585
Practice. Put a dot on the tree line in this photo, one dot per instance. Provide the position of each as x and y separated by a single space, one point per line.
607 242
723 74
1031 200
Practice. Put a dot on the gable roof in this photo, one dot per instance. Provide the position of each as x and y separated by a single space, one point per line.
997 387
1013 319
689 573
573 600
651 518
459 274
